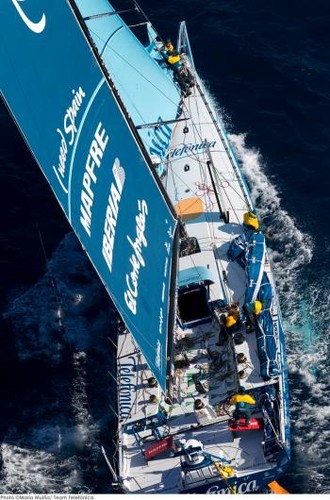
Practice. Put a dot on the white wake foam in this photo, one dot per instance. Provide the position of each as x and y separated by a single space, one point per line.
290 248
61 321
26 469
306 308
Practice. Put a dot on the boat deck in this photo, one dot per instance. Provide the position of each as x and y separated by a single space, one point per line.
208 367
219 375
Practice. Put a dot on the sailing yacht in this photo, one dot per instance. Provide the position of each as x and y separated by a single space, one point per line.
140 162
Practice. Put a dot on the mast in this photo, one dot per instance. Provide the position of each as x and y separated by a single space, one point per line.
172 313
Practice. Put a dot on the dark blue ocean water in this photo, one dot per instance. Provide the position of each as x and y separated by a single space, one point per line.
267 67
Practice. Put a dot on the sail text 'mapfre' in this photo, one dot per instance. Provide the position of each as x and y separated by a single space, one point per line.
94 158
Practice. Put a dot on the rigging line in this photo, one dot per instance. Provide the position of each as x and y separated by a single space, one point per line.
144 336
176 176
41 242
225 288
219 175
104 47
158 124
119 351
195 192
189 112
149 81
182 394
135 68
222 178
139 9
143 14
224 141
227 197
226 151
203 171
201 162
111 468
106 14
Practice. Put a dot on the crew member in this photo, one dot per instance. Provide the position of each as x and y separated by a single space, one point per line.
232 320
182 73
242 400
223 334
169 45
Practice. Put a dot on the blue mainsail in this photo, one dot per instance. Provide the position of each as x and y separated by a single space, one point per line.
78 133
149 93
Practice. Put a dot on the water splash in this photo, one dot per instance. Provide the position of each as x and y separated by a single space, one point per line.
69 293
52 444
26 469
290 248
306 309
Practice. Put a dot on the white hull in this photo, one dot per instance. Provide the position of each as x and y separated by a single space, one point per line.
198 144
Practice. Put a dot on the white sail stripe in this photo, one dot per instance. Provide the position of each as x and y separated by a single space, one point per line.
36 27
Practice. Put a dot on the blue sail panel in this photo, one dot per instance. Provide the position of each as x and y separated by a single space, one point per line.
148 91
79 136
237 250
266 345
255 260
265 294
194 275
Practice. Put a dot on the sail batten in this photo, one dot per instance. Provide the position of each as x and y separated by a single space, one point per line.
93 159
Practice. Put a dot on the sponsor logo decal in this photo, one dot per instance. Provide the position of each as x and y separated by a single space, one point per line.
127 387
191 148
67 136
136 259
155 449
111 214
158 358
93 163
242 488
36 27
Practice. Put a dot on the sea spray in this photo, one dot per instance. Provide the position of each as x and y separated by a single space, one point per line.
306 310
55 447
290 248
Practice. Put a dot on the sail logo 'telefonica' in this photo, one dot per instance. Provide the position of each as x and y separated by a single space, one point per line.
36 27
185 149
